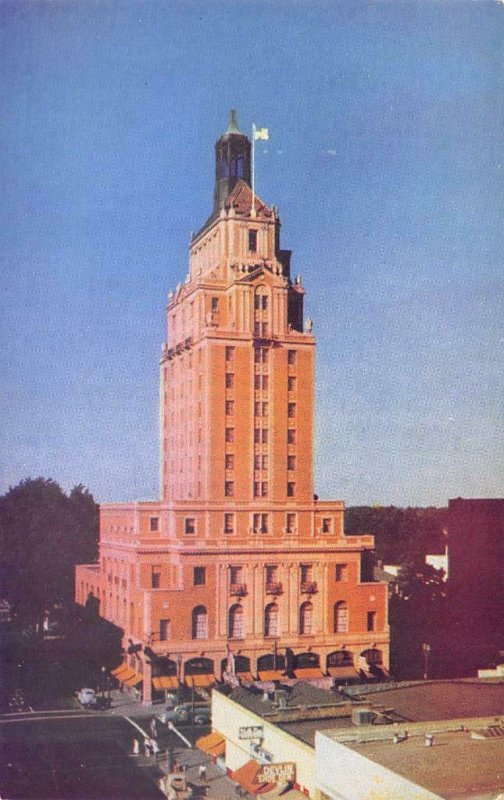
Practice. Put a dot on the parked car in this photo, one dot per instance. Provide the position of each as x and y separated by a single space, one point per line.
86 697
89 699
200 714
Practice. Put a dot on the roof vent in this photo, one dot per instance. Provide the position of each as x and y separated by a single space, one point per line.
362 716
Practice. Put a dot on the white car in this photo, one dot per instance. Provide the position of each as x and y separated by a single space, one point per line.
86 697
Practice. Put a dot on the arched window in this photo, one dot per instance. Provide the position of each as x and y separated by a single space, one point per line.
199 623
341 618
306 618
236 622
271 627
373 656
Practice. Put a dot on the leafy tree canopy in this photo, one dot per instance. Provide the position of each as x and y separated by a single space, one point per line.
43 534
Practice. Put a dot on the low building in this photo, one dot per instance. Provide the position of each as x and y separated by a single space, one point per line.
429 740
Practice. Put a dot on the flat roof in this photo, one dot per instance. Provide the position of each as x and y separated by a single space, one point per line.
456 767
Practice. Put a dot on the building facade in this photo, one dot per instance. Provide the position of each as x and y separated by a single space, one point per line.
239 567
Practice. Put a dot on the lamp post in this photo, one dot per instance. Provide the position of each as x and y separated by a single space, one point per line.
426 648
103 671
179 676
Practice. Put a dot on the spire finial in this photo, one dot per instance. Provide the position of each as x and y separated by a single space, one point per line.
233 125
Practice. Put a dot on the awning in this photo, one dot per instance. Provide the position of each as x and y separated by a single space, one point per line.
246 677
125 674
165 682
214 744
271 675
119 670
245 776
134 680
294 794
343 672
204 681
308 673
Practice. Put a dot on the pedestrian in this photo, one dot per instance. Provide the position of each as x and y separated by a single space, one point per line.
147 747
136 747
154 746
153 728
202 772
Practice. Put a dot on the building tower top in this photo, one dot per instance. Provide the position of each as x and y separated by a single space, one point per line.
232 161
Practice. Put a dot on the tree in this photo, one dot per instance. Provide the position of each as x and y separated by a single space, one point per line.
43 534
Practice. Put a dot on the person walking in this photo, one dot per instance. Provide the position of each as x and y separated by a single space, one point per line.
147 747
136 747
202 773
153 728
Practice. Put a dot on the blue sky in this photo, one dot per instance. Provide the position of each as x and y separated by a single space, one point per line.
386 160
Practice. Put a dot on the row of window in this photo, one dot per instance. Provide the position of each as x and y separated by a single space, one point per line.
260 434
271 573
271 619
260 522
261 353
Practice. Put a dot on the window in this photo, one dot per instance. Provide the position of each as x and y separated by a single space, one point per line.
257 381
257 491
271 574
265 409
291 462
371 620
257 462
291 410
264 436
291 357
341 618
340 658
199 623
261 355
264 462
290 523
264 489
257 435
265 382
291 436
230 353
271 627
215 305
199 576
373 656
306 573
252 240
154 524
229 489
291 383
229 434
236 622
260 523
164 630
229 380
341 573
155 578
229 408
229 461
228 523
257 409
326 524
189 525
235 575
306 618
291 489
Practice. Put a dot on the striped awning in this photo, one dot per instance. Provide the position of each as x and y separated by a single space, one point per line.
214 744
308 673
201 681
134 680
165 682
342 672
271 675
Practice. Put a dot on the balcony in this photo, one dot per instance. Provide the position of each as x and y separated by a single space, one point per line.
309 587
238 589
274 588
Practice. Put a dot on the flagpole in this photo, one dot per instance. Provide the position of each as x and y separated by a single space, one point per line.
252 210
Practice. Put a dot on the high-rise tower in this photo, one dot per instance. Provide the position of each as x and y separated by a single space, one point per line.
237 555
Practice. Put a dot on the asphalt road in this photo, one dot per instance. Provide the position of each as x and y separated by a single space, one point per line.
71 755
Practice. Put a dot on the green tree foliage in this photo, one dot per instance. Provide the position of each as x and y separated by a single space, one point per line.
43 534
401 534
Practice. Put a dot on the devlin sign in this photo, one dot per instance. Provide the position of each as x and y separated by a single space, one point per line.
251 732
274 773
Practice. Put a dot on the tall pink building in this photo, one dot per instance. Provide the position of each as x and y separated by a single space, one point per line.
238 565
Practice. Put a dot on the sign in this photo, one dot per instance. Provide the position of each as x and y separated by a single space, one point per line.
251 732
275 773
